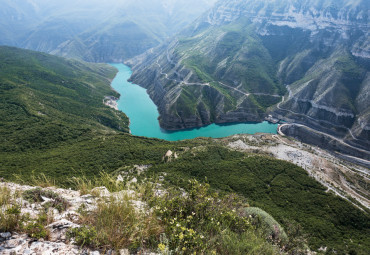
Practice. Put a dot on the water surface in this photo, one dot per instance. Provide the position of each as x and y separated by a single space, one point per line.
143 114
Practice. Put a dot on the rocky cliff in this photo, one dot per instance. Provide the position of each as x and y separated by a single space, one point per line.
238 60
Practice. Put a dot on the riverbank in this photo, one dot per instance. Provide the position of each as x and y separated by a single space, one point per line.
143 114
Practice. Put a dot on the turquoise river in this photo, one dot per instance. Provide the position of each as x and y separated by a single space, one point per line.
143 114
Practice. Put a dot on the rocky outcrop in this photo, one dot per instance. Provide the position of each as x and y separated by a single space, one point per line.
62 221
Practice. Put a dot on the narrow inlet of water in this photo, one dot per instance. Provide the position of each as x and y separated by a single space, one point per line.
143 114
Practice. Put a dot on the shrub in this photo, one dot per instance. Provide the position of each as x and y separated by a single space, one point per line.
267 224
11 219
35 196
36 230
245 243
203 221
83 236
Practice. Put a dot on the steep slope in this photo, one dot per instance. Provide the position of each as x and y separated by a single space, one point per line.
54 127
233 63
47 101
96 31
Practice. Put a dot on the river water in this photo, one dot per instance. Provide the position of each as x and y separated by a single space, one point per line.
143 114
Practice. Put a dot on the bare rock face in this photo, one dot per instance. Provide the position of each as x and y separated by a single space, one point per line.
58 230
22 244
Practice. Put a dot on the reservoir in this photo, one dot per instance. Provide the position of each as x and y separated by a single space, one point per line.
143 114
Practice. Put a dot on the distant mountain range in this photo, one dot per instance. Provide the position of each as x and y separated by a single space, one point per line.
95 31
307 61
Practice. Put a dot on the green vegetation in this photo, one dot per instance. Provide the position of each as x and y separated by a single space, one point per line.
196 221
11 218
69 139
269 226
206 222
281 189
36 228
47 101
36 196
238 57
266 101
118 224
5 196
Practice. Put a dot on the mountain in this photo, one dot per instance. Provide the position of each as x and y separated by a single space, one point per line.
55 129
47 101
95 31
307 61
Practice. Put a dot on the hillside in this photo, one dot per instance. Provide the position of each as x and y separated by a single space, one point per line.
302 61
49 101
55 128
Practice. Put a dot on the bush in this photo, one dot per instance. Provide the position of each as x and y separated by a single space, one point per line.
83 236
36 230
35 196
267 224
11 219
203 221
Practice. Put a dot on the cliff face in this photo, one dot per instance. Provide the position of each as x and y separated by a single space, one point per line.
237 61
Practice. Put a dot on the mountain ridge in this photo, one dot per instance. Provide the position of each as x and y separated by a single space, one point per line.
257 48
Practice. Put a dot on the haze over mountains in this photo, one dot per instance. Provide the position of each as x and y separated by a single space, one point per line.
237 61
95 31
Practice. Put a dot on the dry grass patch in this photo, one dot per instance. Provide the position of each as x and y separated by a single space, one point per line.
118 224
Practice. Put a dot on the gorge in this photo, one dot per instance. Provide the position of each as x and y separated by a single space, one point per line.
143 115
240 59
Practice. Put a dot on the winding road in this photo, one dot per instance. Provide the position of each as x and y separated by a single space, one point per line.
340 140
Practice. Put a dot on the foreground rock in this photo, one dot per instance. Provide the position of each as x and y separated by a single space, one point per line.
57 241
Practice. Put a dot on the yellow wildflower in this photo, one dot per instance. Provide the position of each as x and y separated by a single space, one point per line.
162 247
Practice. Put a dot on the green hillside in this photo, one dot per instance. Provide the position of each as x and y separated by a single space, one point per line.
47 101
54 122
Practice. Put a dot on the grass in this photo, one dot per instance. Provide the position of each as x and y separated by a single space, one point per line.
5 195
118 224
206 222
279 188
40 180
